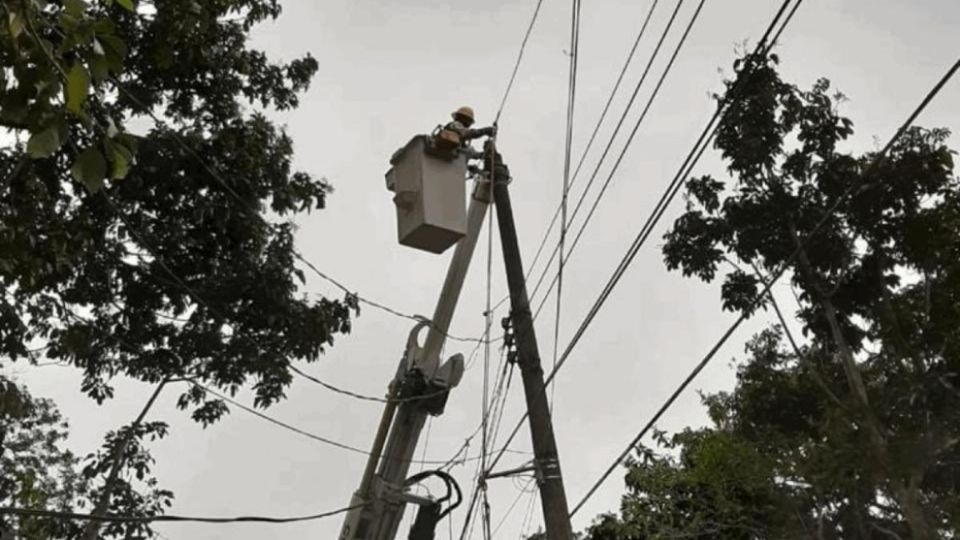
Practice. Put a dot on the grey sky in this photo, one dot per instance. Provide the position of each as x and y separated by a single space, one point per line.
390 69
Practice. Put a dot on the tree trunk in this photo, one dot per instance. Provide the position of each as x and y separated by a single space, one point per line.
907 496
92 529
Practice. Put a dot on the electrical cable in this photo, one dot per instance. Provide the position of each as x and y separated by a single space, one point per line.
776 37
421 474
252 211
117 518
878 159
488 322
511 507
363 397
516 65
256 214
586 150
620 157
677 181
181 283
307 434
616 131
499 397
568 146
528 517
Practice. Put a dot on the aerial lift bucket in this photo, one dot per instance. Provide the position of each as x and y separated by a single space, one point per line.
429 195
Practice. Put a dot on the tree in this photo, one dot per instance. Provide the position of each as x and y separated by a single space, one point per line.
168 254
853 434
172 268
35 470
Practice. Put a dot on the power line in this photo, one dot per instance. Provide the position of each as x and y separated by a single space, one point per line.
516 65
610 177
773 279
513 505
256 214
500 396
182 284
484 398
528 517
324 440
776 37
586 150
625 148
616 131
644 233
251 210
119 518
362 397
568 146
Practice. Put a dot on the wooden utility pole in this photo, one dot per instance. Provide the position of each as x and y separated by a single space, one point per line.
553 498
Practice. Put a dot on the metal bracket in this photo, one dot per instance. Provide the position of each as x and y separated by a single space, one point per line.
448 375
512 472
548 469
413 352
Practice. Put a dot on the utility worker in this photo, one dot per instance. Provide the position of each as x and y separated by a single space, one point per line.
456 135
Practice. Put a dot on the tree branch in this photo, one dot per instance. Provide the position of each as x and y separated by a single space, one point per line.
119 459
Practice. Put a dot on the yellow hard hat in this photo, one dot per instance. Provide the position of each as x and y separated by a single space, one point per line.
464 112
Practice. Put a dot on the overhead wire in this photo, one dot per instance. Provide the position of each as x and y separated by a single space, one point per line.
623 151
214 174
512 506
499 396
197 298
590 141
528 517
324 440
284 425
490 309
783 267
488 321
178 281
122 518
363 397
516 65
253 211
423 456
654 217
568 146
616 131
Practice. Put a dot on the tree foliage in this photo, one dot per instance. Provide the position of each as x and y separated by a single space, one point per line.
168 253
35 469
855 433
146 206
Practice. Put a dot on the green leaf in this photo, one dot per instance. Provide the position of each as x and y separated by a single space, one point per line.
128 4
44 143
15 22
116 50
74 8
104 27
130 141
78 88
90 169
120 158
99 68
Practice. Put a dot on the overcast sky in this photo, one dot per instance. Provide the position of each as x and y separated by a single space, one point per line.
392 69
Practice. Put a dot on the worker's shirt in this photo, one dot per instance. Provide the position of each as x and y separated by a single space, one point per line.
463 131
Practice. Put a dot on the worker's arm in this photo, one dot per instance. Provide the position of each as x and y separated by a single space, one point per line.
471 134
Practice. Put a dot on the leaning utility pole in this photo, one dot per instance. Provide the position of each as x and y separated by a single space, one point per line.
553 498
